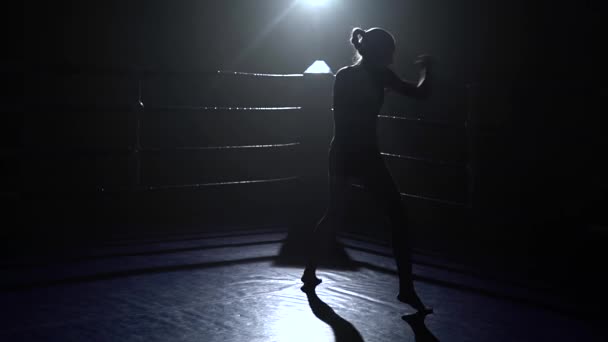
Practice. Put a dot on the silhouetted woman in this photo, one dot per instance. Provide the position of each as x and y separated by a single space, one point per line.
353 154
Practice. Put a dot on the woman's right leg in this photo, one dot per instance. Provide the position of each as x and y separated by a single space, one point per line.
324 233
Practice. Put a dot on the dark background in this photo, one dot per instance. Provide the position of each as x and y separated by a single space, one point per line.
541 185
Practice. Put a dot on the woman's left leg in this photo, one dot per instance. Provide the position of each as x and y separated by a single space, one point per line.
388 199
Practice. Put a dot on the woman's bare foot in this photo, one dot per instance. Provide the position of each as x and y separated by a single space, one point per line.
310 280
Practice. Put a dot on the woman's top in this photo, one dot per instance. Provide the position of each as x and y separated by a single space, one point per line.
358 97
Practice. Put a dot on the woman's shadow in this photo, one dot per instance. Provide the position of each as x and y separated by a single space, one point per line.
344 331
421 332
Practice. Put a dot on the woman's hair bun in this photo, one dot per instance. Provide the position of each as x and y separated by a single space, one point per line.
357 35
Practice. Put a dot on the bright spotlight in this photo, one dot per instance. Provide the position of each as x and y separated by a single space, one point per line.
316 3
318 67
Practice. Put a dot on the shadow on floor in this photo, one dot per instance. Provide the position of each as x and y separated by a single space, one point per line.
343 330
421 332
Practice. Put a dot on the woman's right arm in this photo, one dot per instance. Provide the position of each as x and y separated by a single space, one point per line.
421 89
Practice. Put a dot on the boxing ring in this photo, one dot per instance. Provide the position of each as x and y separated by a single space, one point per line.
153 147
180 191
